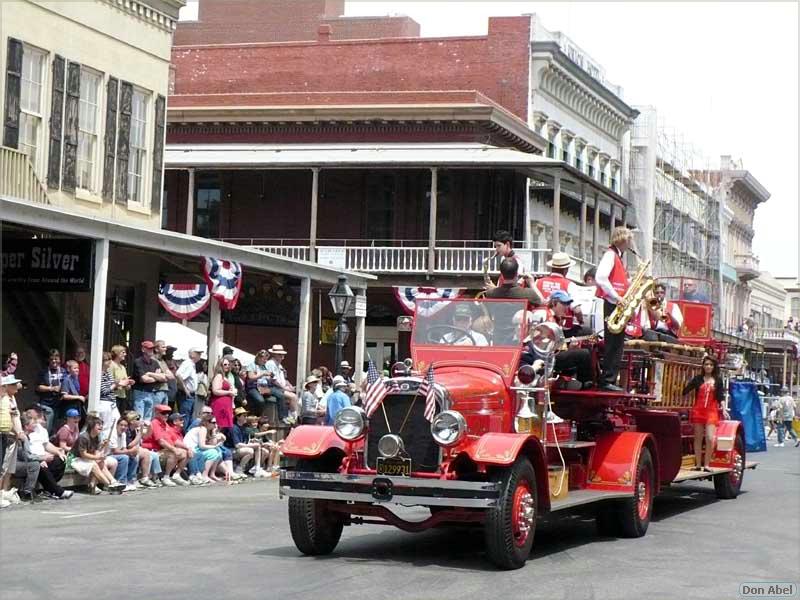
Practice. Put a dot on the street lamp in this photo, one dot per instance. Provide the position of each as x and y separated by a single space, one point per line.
341 298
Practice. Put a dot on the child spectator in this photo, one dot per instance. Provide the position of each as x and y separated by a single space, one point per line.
67 435
90 458
207 454
150 465
71 390
269 446
127 458
245 450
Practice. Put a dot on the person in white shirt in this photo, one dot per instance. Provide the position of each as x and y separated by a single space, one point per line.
462 333
127 458
280 387
187 384
207 452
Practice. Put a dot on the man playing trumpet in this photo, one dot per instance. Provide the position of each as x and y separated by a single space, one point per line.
663 317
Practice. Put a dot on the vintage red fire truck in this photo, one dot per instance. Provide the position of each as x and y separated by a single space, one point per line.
507 444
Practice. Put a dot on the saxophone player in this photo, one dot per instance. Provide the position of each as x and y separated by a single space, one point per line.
612 283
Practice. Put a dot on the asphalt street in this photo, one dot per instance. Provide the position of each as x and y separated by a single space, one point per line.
234 542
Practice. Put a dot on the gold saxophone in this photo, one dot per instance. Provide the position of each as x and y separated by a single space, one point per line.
641 285
487 281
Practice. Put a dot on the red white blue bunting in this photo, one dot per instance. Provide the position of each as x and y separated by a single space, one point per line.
224 278
184 300
408 296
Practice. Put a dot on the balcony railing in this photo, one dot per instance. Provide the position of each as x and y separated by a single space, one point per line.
451 257
18 178
747 266
779 333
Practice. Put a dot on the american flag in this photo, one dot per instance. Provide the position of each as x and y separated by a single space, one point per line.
377 389
428 390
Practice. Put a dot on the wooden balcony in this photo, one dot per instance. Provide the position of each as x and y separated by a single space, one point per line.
449 257
18 179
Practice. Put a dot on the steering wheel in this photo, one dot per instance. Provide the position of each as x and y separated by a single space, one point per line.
448 328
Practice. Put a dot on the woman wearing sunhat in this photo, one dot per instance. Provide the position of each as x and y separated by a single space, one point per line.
311 411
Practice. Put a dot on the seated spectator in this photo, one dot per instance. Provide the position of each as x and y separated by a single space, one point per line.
337 400
49 387
169 444
67 435
206 410
107 408
245 450
10 439
90 458
237 374
279 385
8 364
47 468
71 390
310 402
256 384
149 463
127 458
207 453
226 465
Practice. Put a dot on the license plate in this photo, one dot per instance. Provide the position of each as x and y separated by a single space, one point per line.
393 466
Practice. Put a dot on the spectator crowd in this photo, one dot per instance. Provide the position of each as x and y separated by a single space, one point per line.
159 422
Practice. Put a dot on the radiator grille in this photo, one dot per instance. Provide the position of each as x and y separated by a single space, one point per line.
416 432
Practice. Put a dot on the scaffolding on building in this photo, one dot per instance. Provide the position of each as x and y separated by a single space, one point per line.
669 183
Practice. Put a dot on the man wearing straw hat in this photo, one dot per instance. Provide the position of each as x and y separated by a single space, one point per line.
279 385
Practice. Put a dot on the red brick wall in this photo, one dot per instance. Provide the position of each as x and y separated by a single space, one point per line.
495 65
240 21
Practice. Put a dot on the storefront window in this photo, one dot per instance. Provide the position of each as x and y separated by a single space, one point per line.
206 212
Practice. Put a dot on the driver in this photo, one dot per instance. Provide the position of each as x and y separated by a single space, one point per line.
462 333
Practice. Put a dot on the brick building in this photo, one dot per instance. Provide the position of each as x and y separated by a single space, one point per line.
305 147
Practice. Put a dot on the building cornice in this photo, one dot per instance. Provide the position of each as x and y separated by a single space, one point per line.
161 13
758 191
558 61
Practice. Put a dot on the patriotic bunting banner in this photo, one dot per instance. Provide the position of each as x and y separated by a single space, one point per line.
224 278
184 300
408 296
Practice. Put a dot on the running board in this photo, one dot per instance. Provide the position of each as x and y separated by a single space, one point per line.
579 497
689 474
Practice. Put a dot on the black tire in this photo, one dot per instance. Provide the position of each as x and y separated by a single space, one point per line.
635 512
727 485
315 529
607 520
508 542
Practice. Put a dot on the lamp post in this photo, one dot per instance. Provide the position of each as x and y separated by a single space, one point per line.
341 297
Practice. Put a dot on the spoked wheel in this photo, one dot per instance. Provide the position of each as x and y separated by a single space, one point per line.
727 485
510 526
315 529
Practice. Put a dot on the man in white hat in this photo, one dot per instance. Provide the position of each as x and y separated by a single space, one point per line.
280 387
337 400
186 376
557 280
346 371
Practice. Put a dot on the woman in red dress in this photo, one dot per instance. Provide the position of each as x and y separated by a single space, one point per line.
709 398
222 395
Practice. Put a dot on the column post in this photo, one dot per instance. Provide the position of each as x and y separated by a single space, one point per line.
596 228
312 234
582 230
785 366
432 223
303 330
557 212
190 204
101 249
613 222
527 231
361 343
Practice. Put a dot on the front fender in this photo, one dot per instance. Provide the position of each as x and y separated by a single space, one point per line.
502 449
615 458
310 441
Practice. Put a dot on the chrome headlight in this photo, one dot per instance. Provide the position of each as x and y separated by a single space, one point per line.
448 427
351 423
390 446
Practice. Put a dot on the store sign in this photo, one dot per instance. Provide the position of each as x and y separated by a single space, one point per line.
332 256
53 265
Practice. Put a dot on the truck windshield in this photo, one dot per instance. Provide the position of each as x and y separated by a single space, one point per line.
475 323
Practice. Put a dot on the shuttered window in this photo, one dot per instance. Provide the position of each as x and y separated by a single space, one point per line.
88 129
30 119
137 159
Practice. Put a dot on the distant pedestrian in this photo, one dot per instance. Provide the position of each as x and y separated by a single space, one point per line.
784 419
